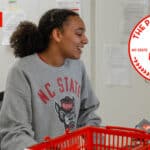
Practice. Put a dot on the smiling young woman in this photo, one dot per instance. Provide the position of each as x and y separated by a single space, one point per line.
47 89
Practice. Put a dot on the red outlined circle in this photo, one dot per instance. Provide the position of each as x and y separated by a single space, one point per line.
139 47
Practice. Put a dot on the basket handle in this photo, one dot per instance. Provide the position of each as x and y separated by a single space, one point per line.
47 139
125 129
67 131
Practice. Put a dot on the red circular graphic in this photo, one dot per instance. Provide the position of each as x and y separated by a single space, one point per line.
139 47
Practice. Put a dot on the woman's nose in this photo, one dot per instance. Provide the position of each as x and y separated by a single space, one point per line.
85 40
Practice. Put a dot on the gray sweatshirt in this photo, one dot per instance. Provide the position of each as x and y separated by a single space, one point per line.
41 100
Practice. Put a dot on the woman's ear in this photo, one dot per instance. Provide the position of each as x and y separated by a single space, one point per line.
56 35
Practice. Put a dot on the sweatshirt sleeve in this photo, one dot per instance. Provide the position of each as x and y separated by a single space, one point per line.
89 103
16 114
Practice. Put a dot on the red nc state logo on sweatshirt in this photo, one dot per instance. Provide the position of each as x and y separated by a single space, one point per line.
62 85
139 47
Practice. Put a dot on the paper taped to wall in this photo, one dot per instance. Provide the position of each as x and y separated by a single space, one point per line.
117 66
11 20
132 11
70 4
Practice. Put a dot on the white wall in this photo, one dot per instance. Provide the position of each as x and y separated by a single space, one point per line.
120 105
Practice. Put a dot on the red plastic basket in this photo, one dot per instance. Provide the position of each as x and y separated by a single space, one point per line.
98 138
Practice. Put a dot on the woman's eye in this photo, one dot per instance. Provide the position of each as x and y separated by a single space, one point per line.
79 34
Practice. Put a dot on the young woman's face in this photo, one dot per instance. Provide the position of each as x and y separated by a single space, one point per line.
73 38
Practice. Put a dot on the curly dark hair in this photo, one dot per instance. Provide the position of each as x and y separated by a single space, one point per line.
28 38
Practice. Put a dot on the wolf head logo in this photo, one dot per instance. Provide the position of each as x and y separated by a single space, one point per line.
66 112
